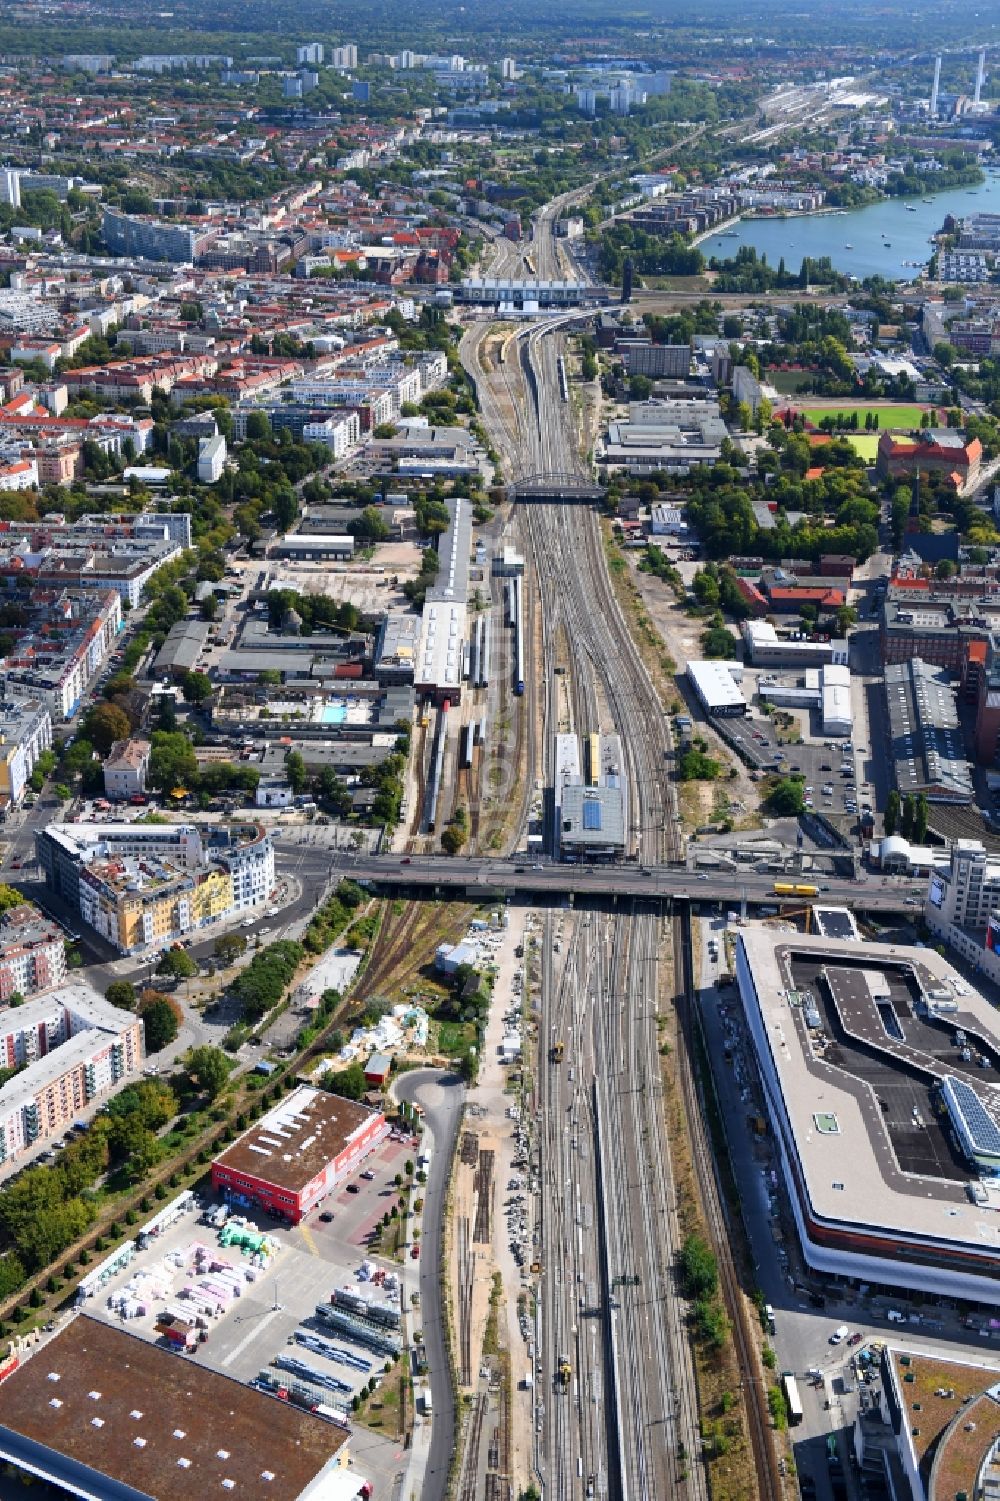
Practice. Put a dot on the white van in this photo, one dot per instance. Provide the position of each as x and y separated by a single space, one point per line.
839 1335
894 1316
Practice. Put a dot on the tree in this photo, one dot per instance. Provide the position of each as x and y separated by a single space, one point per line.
152 1101
891 816
121 993
295 771
176 963
197 687
172 761
9 897
349 1082
946 569
695 766
208 1067
787 798
230 947
258 427
920 817
119 686
699 1274
159 1024
909 812
369 526
718 642
104 724
706 589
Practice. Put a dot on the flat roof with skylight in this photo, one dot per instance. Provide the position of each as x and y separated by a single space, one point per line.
101 1413
881 1069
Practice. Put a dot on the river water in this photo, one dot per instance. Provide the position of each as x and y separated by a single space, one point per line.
872 241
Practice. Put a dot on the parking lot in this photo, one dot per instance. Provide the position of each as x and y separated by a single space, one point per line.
828 766
268 1324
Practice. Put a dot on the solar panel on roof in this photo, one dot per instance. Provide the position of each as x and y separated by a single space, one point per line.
981 1126
591 814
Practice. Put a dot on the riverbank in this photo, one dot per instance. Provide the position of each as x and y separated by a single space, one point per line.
893 238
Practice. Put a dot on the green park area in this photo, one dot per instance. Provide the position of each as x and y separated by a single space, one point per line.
891 415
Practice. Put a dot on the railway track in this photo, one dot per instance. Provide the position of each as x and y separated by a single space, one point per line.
644 1360
754 1392
469 1486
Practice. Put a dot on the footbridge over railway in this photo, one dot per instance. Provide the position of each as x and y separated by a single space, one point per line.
483 878
556 486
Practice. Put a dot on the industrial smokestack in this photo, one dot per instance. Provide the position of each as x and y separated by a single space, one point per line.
937 84
980 77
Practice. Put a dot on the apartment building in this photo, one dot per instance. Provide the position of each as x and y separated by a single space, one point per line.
25 732
32 953
340 432
144 886
126 768
56 661
152 240
211 459
72 1048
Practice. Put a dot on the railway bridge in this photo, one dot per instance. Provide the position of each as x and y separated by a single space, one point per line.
556 486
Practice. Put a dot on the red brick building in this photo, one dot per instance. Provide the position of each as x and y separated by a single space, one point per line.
938 451
298 1153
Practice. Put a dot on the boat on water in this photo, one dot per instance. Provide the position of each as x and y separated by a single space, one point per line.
848 247
887 244
909 208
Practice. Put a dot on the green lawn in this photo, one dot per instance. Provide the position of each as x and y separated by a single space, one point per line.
789 382
865 445
889 415
455 1037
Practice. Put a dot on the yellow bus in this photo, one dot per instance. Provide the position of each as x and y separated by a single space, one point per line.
792 888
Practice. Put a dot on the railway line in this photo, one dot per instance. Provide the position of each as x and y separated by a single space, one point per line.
754 1392
627 1421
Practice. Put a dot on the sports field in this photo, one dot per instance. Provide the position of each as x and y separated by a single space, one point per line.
890 416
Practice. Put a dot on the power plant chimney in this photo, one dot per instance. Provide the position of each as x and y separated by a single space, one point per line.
937 84
980 77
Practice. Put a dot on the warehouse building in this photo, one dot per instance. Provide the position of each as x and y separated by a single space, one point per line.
768 649
313 547
98 1412
927 744
717 687
298 1153
182 649
396 647
441 654
676 436
880 1069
